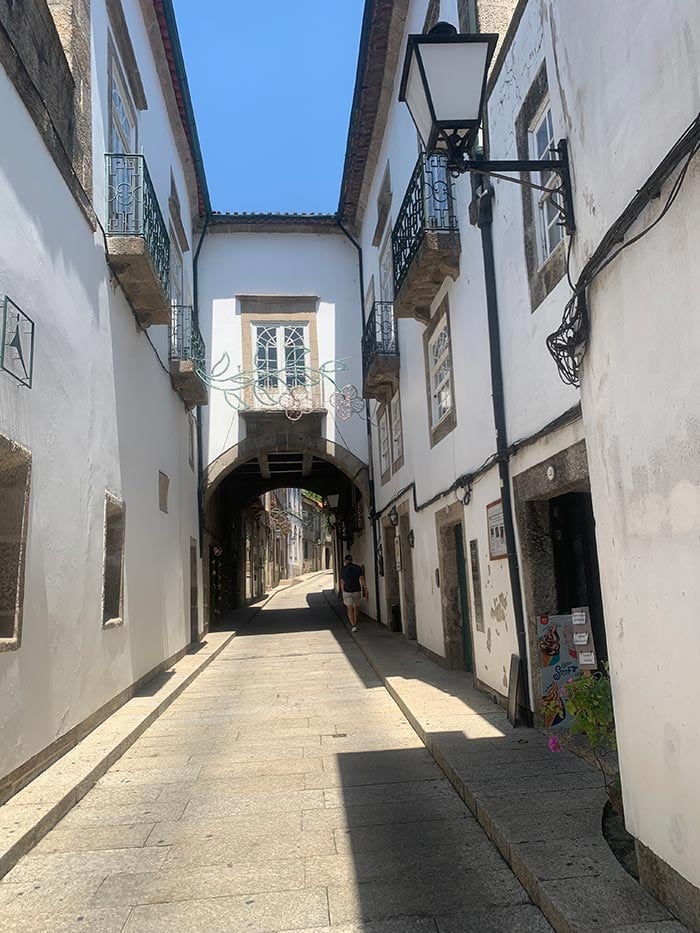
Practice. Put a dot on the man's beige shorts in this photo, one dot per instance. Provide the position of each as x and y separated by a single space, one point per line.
352 599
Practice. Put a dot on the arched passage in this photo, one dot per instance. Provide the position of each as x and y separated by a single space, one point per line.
291 455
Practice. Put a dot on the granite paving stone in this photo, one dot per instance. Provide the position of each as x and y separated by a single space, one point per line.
283 790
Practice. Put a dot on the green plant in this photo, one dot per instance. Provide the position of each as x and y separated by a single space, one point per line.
589 700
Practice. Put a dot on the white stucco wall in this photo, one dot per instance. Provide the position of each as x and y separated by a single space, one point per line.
641 394
101 415
290 264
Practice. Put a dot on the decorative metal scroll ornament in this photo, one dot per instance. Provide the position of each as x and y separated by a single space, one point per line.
296 402
290 389
346 402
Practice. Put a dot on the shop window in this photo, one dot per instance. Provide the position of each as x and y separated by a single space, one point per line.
113 569
15 468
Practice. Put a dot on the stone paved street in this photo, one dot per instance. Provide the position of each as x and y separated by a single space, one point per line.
284 790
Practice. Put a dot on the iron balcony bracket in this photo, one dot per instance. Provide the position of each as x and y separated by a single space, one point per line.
559 166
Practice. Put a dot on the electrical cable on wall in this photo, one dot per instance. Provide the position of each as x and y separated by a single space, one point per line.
568 344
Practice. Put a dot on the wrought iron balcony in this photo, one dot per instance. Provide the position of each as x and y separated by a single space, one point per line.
380 352
138 245
187 356
425 239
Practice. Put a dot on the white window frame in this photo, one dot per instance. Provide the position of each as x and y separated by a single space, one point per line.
396 428
280 373
549 229
384 444
440 368
115 128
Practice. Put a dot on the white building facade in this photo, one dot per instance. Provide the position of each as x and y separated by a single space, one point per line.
280 315
464 281
101 580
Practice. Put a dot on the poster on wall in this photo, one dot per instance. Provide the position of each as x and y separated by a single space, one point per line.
558 663
497 532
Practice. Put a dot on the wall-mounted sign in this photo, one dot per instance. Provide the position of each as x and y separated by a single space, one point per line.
558 663
566 651
17 343
397 552
583 639
476 585
497 531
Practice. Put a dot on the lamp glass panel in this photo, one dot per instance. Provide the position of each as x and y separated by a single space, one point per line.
417 101
455 74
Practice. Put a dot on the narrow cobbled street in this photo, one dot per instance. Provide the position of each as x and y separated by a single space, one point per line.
284 790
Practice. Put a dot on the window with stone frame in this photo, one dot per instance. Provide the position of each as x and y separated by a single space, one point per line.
384 445
545 252
432 15
550 231
279 340
383 206
113 561
191 439
396 431
122 126
15 470
467 14
280 356
439 374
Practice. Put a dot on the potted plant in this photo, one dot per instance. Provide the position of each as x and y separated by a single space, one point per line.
588 699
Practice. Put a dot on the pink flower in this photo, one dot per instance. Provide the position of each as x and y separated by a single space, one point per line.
554 743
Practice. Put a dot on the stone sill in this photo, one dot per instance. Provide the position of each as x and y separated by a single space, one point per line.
132 264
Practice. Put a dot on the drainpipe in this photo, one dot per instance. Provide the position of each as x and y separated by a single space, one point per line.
372 501
483 199
200 456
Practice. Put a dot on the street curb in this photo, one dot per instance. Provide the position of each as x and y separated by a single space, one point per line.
562 911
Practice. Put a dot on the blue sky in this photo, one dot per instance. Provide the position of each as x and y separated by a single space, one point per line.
272 87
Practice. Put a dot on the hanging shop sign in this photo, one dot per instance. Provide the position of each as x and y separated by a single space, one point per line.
497 531
17 343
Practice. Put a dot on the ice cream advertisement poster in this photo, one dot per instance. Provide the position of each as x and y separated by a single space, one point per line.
559 662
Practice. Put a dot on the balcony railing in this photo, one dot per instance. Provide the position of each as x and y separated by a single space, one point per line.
187 353
186 341
133 210
380 351
427 206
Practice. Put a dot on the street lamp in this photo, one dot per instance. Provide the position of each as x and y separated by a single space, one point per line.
393 516
444 86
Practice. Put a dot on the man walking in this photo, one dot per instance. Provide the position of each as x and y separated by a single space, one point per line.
352 583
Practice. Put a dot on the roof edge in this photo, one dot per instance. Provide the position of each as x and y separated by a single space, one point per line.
165 14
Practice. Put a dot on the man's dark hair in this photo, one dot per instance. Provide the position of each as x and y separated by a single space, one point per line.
348 557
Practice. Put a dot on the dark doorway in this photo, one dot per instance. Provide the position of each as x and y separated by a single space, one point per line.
576 561
463 598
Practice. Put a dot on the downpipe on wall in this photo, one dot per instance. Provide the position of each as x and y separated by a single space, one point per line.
198 420
370 466
482 195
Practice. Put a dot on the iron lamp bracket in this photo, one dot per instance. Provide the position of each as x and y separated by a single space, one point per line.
456 150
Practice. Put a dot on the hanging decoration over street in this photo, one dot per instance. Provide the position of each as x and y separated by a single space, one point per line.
297 391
